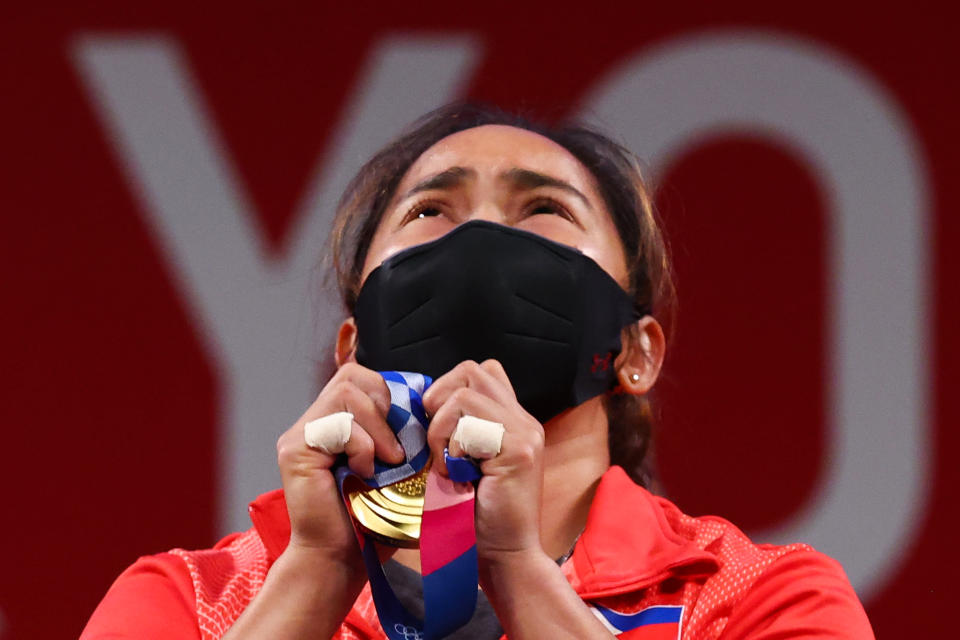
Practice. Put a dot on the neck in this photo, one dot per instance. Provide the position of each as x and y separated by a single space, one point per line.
575 457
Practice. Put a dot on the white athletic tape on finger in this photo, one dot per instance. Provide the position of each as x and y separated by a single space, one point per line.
479 438
329 433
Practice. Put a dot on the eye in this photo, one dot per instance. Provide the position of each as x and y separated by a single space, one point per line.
422 210
548 206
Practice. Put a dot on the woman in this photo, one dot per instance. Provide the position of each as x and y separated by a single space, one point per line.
470 184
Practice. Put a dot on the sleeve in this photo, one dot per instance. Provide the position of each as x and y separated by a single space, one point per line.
802 595
152 599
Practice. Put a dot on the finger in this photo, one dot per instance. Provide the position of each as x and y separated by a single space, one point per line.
496 370
347 396
453 446
329 433
461 402
294 457
360 451
478 438
368 381
344 395
467 374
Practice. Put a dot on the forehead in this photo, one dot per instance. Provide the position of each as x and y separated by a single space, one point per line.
496 148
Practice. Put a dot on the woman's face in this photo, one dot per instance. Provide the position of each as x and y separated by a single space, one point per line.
505 175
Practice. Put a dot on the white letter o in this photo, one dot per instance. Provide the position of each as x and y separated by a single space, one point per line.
860 147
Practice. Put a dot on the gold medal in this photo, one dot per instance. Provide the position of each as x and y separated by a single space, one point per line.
379 498
391 514
408 492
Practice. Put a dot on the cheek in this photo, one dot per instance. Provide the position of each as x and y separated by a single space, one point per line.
554 228
610 259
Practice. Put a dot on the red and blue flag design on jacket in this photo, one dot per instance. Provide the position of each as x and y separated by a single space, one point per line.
659 622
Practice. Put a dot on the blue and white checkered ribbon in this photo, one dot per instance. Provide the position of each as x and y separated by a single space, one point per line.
409 422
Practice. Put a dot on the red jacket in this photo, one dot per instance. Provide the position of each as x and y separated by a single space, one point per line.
638 551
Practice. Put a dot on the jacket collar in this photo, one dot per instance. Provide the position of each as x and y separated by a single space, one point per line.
269 516
629 542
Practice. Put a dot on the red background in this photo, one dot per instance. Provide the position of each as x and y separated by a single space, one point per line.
110 406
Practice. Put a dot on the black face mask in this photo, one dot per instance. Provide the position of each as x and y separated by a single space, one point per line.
548 313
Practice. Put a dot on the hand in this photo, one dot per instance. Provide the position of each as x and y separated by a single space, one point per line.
508 495
318 520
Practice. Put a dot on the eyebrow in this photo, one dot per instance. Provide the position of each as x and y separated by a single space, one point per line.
526 179
452 177
523 179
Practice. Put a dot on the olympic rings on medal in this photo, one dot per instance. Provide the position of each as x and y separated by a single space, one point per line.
409 633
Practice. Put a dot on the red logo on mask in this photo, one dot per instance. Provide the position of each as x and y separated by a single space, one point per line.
600 364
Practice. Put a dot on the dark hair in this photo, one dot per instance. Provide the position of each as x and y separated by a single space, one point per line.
617 173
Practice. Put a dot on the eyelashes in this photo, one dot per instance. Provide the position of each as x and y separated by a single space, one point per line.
421 210
541 206
536 206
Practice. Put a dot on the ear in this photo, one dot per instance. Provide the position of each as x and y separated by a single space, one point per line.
346 342
638 364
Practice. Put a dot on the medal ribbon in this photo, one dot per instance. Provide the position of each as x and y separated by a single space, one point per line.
448 549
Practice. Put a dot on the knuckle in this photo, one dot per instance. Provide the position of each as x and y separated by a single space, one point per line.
350 391
434 441
381 399
536 434
527 452
284 451
538 439
467 367
491 364
343 391
364 444
348 368
335 386
463 395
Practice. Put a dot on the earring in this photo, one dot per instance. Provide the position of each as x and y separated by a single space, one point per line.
635 377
